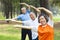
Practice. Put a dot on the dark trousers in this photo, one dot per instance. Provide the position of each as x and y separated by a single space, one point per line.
25 32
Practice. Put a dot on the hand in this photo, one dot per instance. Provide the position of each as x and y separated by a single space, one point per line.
13 20
17 26
22 3
8 19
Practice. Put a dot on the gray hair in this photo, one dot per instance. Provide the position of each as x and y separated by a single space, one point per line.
23 8
33 14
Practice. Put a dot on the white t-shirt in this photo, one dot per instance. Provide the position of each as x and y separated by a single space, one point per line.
32 24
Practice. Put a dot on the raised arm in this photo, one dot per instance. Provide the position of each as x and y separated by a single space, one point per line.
26 5
35 8
47 11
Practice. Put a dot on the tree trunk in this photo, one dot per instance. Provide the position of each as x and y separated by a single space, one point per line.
45 4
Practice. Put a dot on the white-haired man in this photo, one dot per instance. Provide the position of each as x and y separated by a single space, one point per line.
33 22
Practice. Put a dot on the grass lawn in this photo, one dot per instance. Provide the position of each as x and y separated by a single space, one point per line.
56 18
57 34
10 33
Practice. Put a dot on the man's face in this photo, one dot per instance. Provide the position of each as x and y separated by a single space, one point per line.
42 20
32 16
24 11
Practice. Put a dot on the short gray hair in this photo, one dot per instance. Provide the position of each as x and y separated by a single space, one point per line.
23 8
33 14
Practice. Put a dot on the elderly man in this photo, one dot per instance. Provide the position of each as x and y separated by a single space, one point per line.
33 22
24 17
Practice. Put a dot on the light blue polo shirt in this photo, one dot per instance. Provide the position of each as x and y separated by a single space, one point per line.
24 17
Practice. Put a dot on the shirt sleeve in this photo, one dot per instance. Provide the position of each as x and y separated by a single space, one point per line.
26 23
50 22
19 17
28 11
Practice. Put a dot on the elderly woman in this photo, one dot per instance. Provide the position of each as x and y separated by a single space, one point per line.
45 30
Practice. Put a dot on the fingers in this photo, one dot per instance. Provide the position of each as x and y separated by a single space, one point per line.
22 3
8 19
16 26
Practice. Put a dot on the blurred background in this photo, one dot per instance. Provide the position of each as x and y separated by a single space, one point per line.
11 8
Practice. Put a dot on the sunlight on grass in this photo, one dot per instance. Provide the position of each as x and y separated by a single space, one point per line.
56 19
10 33
3 37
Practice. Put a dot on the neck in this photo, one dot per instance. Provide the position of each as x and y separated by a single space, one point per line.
33 19
44 25
23 13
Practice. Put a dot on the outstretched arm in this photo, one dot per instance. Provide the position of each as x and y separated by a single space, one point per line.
20 26
14 21
47 11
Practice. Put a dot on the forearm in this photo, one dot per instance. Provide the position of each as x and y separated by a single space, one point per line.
47 11
26 5
14 21
20 26
18 22
35 8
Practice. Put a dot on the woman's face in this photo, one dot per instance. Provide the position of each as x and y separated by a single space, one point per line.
42 20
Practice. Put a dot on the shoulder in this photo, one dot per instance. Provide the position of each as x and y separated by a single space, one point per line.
39 25
49 26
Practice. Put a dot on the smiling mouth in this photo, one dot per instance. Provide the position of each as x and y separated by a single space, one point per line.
42 22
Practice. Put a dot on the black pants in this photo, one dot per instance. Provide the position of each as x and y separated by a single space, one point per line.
24 32
35 39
